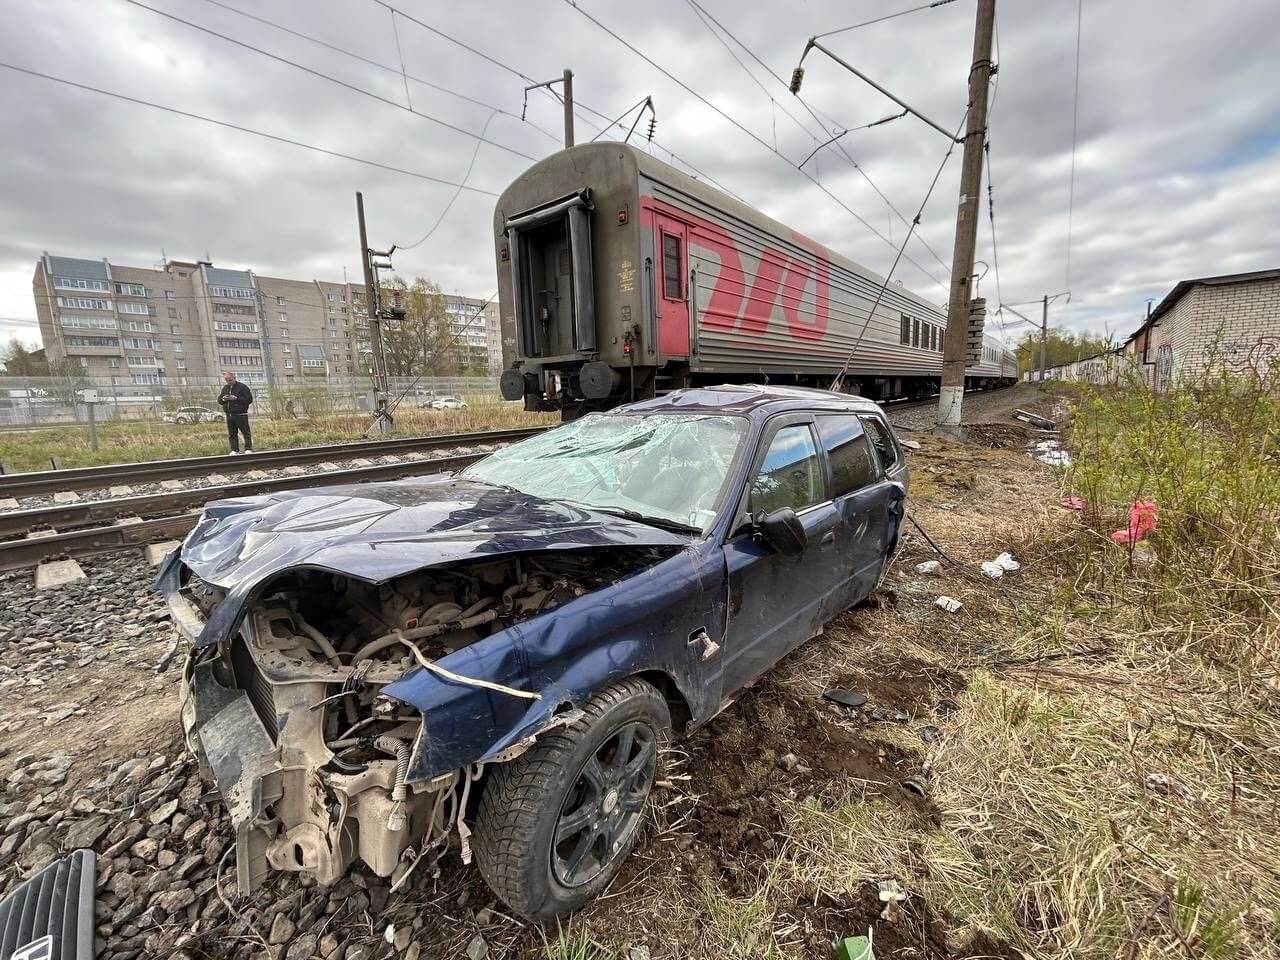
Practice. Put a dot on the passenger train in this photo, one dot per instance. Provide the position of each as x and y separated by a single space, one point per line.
621 278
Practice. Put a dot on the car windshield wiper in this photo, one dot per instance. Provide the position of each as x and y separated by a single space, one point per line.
662 523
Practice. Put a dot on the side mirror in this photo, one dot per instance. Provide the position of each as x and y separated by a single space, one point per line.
783 531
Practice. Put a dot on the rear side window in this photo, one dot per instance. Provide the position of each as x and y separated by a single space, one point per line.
671 267
852 465
883 443
790 474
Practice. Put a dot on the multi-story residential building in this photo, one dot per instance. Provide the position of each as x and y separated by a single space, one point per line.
191 321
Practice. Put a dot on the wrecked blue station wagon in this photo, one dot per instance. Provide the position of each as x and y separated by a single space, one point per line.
491 660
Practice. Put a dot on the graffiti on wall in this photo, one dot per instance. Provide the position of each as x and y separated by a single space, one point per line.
1258 356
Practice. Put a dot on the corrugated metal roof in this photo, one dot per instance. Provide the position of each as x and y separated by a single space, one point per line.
310 351
229 278
75 267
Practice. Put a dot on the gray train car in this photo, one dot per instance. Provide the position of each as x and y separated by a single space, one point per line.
620 277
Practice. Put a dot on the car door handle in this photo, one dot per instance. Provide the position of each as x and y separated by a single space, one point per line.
828 538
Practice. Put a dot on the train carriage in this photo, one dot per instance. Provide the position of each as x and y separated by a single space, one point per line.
621 277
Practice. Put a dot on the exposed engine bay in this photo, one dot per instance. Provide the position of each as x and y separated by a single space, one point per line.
327 779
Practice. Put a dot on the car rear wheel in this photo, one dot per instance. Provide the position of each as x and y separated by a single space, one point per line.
556 824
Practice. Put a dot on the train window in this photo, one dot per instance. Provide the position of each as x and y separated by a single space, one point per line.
852 466
937 337
904 330
881 440
915 332
790 475
671 285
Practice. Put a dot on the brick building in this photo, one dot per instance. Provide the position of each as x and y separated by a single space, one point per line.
190 321
1234 317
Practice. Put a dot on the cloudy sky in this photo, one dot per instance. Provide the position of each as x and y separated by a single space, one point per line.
1177 165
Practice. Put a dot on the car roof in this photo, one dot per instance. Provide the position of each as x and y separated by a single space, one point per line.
751 399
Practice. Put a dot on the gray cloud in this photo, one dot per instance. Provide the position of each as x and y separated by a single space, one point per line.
1177 172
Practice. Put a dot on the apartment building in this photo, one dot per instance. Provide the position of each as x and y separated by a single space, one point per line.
190 320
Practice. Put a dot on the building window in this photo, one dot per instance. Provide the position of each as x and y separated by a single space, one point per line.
239 309
77 283
145 378
234 343
284 317
136 360
139 309
168 294
77 341
84 303
139 326
288 364
139 343
284 332
230 326
114 363
285 348
178 346
90 323
173 315
239 360
231 293
332 298
280 301
181 364
131 289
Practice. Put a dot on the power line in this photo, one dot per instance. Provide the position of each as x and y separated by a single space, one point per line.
324 76
374 63
822 124
1075 117
888 16
688 89
243 129
457 193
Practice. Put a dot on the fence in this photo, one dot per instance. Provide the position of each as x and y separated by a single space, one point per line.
50 401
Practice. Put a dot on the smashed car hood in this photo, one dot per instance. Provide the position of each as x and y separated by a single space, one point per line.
377 532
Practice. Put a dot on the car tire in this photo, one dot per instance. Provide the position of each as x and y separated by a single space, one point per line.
548 790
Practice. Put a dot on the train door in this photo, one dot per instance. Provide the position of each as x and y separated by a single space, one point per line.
671 239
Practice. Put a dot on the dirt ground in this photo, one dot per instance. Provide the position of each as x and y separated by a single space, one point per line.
777 829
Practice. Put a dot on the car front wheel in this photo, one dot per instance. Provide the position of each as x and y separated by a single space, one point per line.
556 824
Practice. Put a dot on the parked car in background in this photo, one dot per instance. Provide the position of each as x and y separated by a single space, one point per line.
443 403
193 415
493 658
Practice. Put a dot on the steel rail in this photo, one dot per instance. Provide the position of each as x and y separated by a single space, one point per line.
46 482
129 531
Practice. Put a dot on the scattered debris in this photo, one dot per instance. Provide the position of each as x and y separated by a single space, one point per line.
1007 563
845 698
855 948
1051 452
1142 521
930 734
57 573
916 787
910 444
1071 503
992 569
949 604
788 761
891 895
1160 783
930 568
1026 416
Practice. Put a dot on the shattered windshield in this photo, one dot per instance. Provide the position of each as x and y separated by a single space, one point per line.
665 467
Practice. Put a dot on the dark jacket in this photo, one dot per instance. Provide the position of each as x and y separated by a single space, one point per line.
235 398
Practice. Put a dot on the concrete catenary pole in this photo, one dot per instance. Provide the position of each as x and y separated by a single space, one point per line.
568 108
1044 334
951 396
373 313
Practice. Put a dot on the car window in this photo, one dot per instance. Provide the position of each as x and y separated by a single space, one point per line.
852 464
790 474
883 443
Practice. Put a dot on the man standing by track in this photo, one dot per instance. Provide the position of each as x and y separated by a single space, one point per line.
235 399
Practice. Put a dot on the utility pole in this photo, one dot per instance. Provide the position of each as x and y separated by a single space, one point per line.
373 311
568 108
1044 333
951 396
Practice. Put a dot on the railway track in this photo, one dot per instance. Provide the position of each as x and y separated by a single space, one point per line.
46 482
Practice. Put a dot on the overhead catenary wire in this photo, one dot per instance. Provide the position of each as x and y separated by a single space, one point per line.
374 63
822 122
456 193
882 19
328 77
836 383
278 138
749 132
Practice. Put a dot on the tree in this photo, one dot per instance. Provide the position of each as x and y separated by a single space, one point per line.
19 361
417 344
1061 347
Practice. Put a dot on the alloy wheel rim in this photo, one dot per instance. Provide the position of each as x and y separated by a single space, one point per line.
605 804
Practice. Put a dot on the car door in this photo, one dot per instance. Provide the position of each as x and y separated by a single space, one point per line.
869 505
776 602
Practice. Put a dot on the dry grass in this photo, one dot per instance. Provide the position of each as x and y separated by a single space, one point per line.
130 441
